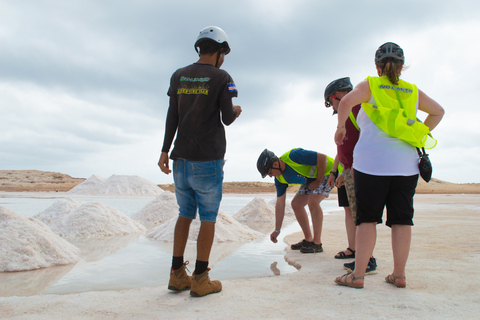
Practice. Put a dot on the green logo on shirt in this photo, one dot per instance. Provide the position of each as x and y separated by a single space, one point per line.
195 79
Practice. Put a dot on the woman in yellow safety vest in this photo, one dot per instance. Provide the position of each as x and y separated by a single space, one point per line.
385 158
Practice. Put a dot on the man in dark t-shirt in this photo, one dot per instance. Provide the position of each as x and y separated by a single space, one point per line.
200 104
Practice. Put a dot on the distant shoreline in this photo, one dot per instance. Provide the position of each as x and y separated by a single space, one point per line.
44 181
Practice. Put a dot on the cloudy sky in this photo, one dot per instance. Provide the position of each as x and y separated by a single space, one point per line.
83 83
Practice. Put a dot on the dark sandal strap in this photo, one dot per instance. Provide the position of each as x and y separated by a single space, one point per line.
355 278
342 255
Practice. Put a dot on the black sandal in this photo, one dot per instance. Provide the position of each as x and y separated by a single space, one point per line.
342 255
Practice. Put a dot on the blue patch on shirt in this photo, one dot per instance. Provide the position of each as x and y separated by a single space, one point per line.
232 87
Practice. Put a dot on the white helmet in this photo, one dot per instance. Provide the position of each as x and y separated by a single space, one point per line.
216 34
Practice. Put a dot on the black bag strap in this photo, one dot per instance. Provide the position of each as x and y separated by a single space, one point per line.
420 154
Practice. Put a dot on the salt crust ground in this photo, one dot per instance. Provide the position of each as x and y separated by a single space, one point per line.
442 281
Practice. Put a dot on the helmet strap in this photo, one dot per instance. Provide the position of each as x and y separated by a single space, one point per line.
279 166
219 52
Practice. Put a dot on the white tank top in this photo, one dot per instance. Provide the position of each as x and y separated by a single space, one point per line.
378 153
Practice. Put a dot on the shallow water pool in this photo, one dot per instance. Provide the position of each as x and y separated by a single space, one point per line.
134 262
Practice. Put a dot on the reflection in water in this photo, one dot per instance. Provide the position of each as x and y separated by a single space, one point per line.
263 227
219 250
96 249
274 268
293 263
29 283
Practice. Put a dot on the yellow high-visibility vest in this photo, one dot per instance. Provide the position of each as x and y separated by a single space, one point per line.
395 111
305 169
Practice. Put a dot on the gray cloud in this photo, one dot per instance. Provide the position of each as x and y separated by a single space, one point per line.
83 83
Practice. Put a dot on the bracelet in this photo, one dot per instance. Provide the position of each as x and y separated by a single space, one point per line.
277 231
333 172
341 127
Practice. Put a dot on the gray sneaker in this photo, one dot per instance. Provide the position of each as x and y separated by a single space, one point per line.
371 267
299 245
312 248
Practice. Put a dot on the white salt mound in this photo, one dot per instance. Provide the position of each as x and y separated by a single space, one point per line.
227 229
256 210
158 211
117 185
288 208
27 244
92 185
132 185
259 211
91 220
57 211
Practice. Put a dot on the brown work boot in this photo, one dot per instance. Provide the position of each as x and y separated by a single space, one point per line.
202 285
179 279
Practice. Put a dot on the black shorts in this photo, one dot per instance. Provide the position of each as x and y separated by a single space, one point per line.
375 192
342 197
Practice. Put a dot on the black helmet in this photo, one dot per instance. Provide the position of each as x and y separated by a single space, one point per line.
265 162
389 50
337 85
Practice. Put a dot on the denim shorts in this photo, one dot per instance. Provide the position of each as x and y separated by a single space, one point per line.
198 184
